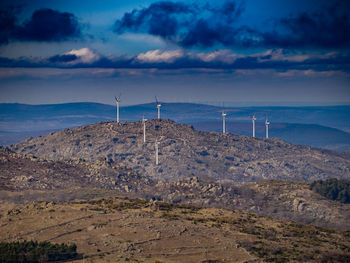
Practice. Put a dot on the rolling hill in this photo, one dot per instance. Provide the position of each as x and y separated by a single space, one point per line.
304 134
300 125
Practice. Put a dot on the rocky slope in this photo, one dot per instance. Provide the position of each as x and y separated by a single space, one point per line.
279 199
20 172
185 152
77 179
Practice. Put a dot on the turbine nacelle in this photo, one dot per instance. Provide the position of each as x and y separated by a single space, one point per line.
267 123
223 114
117 99
158 107
253 120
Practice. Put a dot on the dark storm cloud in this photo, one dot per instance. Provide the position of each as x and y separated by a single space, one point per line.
62 58
44 25
49 25
7 24
159 19
189 25
329 28
185 24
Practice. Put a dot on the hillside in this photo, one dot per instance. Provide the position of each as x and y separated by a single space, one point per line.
25 179
120 230
185 152
20 173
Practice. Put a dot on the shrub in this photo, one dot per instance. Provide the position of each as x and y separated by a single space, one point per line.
203 153
333 189
34 251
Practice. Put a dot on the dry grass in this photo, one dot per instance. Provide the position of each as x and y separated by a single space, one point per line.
122 229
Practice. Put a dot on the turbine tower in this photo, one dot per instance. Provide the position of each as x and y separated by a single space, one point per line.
156 146
223 122
117 100
267 123
144 128
253 120
158 107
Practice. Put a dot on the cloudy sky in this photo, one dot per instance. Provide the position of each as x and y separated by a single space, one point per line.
245 52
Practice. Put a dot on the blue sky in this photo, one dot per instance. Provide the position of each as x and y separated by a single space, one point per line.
261 52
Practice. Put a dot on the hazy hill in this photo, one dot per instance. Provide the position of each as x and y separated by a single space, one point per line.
187 152
305 134
86 112
20 121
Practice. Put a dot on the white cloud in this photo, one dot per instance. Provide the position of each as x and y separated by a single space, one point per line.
85 55
281 55
160 56
220 55
312 73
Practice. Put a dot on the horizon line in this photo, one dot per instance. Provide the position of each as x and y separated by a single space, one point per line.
231 104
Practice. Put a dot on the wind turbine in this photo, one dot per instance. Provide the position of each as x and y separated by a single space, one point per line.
117 100
267 123
156 146
223 122
144 128
158 107
253 120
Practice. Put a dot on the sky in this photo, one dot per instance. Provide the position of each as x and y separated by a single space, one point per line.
244 52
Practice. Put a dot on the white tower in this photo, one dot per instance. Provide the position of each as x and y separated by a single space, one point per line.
223 122
117 100
253 120
267 123
156 146
158 107
144 128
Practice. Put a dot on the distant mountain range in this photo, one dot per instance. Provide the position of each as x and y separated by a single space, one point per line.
324 126
305 134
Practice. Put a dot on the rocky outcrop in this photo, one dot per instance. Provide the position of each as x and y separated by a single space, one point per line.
20 172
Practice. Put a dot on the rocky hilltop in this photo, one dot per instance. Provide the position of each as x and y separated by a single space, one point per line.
186 152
